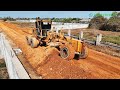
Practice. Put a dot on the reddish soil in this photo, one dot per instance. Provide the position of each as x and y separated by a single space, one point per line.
47 63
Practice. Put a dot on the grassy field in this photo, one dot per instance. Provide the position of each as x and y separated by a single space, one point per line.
90 34
106 38
111 39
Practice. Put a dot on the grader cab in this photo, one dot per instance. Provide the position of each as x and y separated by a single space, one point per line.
42 26
43 35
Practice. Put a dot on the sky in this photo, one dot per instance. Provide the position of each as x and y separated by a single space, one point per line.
51 14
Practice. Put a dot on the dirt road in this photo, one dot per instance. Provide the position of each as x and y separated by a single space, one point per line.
48 64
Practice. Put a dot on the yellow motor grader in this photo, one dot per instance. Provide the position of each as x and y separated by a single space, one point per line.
68 47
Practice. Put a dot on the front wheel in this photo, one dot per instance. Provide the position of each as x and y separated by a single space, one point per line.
67 52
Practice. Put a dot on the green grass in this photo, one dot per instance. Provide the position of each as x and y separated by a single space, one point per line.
89 36
111 39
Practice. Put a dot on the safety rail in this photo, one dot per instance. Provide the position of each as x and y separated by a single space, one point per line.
14 66
96 42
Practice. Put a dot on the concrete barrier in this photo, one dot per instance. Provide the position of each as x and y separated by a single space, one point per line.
69 32
14 67
98 39
70 26
81 35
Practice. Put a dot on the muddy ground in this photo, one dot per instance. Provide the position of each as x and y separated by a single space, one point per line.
48 64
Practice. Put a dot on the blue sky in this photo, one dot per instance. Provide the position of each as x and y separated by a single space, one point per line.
51 14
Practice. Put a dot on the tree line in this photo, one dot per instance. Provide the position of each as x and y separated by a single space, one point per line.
102 23
64 20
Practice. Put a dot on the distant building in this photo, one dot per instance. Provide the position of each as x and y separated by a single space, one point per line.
31 20
85 20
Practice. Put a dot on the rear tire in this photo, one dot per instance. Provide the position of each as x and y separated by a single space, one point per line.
84 53
34 42
67 52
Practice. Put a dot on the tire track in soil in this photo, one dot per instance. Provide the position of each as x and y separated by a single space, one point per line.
103 56
94 70
102 65
111 72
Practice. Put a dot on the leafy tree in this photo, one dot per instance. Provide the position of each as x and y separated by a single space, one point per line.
114 14
97 15
113 23
97 21
8 18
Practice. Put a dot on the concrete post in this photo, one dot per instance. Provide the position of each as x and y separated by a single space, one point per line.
69 32
57 30
99 38
81 35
